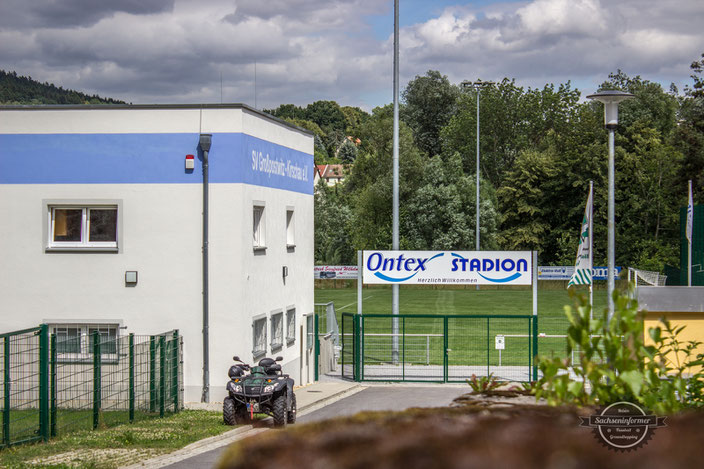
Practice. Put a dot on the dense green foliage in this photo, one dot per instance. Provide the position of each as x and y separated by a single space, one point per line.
539 150
614 364
23 90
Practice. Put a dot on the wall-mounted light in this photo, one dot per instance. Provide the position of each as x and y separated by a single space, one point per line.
190 162
131 278
285 271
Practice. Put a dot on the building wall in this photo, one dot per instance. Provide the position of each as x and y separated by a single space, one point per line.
135 156
693 331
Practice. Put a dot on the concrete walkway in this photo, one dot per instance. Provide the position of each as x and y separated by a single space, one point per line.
308 399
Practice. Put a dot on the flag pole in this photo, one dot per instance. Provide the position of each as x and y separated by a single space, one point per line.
591 251
690 225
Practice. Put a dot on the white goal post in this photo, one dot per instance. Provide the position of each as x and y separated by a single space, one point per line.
646 277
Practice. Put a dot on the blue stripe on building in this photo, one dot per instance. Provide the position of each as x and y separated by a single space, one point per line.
150 159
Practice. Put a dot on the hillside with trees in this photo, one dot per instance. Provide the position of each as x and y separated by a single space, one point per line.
16 89
539 150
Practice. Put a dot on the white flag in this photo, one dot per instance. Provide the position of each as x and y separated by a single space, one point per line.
583 266
690 214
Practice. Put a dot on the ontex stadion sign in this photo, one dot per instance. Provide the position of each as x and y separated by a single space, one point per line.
448 267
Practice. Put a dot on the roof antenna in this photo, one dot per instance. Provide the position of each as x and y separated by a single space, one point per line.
255 84
220 86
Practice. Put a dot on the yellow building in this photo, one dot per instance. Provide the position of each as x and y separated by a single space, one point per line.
682 306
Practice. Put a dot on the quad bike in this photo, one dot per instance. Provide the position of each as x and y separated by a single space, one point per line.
261 389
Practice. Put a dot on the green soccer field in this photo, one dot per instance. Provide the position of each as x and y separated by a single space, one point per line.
471 340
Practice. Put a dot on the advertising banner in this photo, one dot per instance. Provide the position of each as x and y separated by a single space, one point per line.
335 271
447 267
565 272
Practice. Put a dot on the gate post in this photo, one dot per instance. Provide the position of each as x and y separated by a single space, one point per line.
174 374
152 374
445 360
535 347
131 378
359 347
535 315
316 351
96 379
54 391
6 391
44 382
162 374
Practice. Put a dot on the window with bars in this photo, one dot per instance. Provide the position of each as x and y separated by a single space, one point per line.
78 227
290 326
277 331
75 342
259 337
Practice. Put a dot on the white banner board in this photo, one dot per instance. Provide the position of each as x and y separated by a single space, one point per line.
335 271
447 267
565 272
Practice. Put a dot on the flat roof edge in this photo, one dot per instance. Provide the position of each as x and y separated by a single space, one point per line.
671 299
102 107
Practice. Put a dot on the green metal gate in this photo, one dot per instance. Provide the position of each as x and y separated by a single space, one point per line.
50 387
438 348
24 357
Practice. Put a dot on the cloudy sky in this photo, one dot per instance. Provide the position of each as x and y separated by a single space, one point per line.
176 51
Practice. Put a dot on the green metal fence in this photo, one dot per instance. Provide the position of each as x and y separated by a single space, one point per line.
438 348
53 386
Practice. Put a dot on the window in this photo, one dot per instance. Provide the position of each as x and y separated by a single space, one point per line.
310 331
259 337
82 227
290 326
107 337
75 342
290 229
259 228
277 331
68 339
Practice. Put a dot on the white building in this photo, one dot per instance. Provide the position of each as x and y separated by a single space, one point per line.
102 227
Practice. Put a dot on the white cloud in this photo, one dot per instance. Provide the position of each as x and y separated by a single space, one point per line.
326 49
564 17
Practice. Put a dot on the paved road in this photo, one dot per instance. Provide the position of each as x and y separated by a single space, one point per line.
377 397
394 397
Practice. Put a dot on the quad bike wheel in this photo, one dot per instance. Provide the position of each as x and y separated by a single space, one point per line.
229 413
291 418
280 413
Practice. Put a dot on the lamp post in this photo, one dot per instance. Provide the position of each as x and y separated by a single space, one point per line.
477 85
611 99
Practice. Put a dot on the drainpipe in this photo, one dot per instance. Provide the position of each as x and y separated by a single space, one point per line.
204 145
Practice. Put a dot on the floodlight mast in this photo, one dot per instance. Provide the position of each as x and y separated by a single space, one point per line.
395 227
611 99
477 85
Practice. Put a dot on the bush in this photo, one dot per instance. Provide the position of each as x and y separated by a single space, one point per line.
614 364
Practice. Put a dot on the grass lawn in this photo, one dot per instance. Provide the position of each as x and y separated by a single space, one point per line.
471 341
118 446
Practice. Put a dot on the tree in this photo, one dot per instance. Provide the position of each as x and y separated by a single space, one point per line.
441 213
333 243
430 102
347 152
369 184
511 120
524 201
689 134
